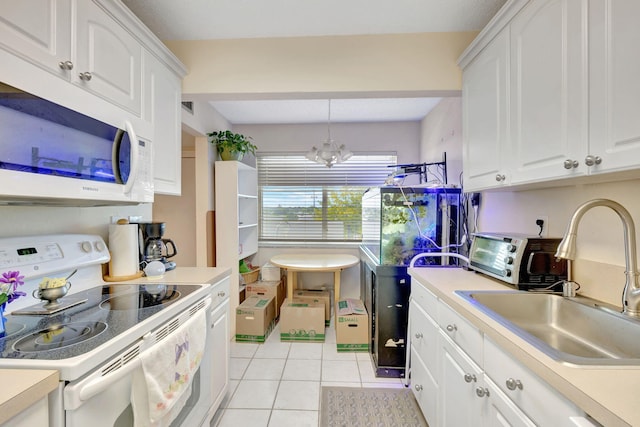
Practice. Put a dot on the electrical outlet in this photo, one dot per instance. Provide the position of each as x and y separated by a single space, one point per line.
545 225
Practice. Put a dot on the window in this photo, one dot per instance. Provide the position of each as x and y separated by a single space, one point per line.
305 201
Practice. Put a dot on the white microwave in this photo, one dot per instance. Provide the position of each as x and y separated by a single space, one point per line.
52 155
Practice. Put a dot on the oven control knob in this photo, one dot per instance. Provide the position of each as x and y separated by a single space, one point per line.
507 273
86 246
512 248
508 260
100 246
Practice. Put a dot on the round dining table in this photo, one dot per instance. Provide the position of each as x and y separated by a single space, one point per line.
295 263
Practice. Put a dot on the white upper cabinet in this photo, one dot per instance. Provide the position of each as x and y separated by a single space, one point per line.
163 109
39 31
484 103
573 94
109 58
614 68
548 90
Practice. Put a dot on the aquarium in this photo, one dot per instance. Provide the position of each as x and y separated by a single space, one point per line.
401 222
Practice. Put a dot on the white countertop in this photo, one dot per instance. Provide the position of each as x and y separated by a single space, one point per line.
195 275
611 395
22 388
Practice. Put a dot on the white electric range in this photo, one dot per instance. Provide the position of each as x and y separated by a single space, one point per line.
95 336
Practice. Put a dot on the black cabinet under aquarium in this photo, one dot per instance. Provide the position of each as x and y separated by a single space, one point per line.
397 224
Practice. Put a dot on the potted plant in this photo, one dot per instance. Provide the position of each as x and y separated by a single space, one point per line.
230 145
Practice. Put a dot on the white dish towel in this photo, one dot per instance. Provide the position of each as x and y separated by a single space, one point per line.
161 387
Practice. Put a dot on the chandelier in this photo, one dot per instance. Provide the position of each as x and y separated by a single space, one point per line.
330 153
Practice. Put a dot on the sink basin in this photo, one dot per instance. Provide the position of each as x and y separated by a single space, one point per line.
576 331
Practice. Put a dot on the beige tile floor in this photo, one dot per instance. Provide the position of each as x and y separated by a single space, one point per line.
278 383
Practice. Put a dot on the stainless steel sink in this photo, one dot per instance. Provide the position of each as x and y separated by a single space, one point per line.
572 330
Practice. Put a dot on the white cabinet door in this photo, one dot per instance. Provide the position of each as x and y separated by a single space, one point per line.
35 415
163 93
109 58
499 411
548 90
220 363
460 405
614 67
38 31
485 111
425 372
425 389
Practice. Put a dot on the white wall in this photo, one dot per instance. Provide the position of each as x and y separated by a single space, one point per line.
442 132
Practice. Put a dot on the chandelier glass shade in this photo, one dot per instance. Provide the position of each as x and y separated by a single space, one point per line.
330 153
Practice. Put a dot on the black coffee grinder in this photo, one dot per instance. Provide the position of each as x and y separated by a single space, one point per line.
153 247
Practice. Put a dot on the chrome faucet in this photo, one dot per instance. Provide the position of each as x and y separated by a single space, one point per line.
567 250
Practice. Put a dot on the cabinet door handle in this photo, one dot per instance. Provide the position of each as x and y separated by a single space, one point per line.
418 387
470 378
419 335
221 293
571 164
482 392
592 160
86 76
513 384
66 65
500 177
451 328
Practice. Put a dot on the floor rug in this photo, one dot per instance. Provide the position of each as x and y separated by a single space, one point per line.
369 407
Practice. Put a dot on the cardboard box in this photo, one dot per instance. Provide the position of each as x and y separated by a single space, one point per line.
270 272
352 326
302 320
266 289
255 319
317 295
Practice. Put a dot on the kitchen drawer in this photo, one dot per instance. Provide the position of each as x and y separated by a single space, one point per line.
220 292
424 298
463 333
532 395
424 336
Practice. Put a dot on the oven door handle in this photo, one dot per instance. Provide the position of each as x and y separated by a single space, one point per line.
76 395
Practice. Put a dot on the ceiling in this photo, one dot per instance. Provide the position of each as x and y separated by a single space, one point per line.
230 19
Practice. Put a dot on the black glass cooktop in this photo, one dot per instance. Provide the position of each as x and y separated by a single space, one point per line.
108 311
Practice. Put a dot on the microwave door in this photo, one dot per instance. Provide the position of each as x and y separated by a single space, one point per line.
125 172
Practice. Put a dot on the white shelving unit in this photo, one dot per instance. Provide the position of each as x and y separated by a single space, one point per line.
236 195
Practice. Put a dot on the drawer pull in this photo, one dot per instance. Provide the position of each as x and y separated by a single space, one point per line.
451 328
419 335
418 387
482 392
500 177
221 293
86 76
513 384
470 378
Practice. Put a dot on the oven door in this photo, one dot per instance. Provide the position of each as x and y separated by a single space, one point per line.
104 400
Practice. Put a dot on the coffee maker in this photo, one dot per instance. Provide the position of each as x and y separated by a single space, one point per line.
153 247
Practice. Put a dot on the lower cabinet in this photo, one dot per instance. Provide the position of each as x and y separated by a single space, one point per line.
461 378
220 370
35 415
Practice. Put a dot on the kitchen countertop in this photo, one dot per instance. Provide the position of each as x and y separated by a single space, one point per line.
27 386
188 275
609 394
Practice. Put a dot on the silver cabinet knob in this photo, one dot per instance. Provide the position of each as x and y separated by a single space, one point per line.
451 328
513 384
571 164
418 387
66 65
86 76
500 177
470 378
419 335
221 293
482 392
592 160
